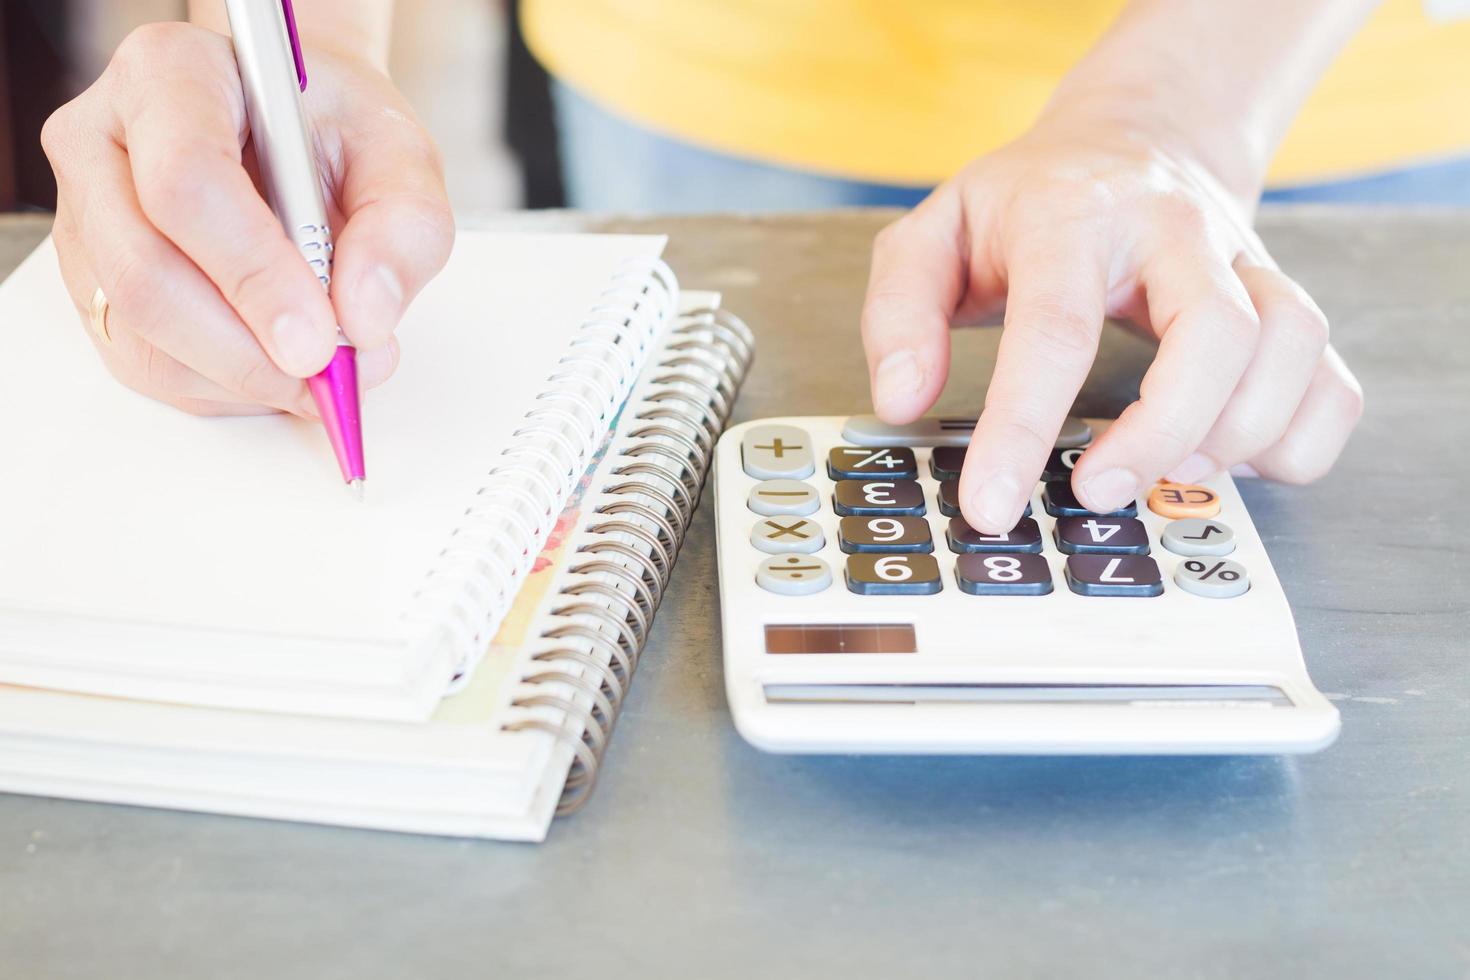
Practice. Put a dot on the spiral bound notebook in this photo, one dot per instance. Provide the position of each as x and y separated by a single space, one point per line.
515 555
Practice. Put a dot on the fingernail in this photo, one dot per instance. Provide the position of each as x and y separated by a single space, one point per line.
1245 470
301 349
997 503
1192 470
898 378
1110 490
376 366
378 300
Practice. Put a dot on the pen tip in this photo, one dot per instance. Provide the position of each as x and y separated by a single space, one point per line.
357 489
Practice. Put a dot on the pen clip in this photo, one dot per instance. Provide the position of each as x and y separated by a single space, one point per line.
295 42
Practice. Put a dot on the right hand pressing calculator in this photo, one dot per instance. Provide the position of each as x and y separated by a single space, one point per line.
862 614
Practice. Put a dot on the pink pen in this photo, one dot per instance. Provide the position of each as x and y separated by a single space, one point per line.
273 72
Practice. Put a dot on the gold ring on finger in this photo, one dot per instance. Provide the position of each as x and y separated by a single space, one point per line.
98 315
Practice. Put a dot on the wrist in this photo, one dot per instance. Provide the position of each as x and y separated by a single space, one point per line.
1178 123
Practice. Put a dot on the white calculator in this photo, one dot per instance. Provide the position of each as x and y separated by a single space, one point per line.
862 614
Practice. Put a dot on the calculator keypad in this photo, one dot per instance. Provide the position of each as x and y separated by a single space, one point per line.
885 535
893 574
888 546
878 498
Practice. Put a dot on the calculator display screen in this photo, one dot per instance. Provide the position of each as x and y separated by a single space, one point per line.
841 638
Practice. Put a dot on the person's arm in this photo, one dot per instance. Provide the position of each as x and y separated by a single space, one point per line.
352 27
1131 197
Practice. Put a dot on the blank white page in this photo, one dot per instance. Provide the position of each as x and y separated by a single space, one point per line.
116 508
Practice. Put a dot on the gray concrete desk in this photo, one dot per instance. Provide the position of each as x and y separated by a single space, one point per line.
701 858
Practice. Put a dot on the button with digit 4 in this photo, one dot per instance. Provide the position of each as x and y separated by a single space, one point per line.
773 497
1024 537
893 574
793 574
949 499
784 535
858 535
1101 536
1183 500
1213 578
855 463
992 574
1114 575
878 497
1060 501
773 452
1196 536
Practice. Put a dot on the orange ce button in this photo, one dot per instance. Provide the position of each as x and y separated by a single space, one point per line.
1183 500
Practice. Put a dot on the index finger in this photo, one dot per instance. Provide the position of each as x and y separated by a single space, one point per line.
183 144
1055 304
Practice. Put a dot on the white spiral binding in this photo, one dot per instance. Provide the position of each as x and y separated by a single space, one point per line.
631 537
462 600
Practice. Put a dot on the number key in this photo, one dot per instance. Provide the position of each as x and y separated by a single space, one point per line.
1060 463
1025 536
1101 536
878 498
949 500
858 535
990 574
947 462
1117 575
854 463
1060 501
893 575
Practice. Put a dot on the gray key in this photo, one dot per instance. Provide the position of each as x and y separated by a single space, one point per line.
1213 578
787 535
793 575
1197 536
936 430
771 452
778 497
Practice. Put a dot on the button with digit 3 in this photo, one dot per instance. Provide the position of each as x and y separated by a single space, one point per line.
1183 500
793 574
1196 536
878 497
991 574
773 497
890 535
893 574
784 535
773 452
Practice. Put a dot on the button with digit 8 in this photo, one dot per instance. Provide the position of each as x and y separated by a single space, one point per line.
1183 500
